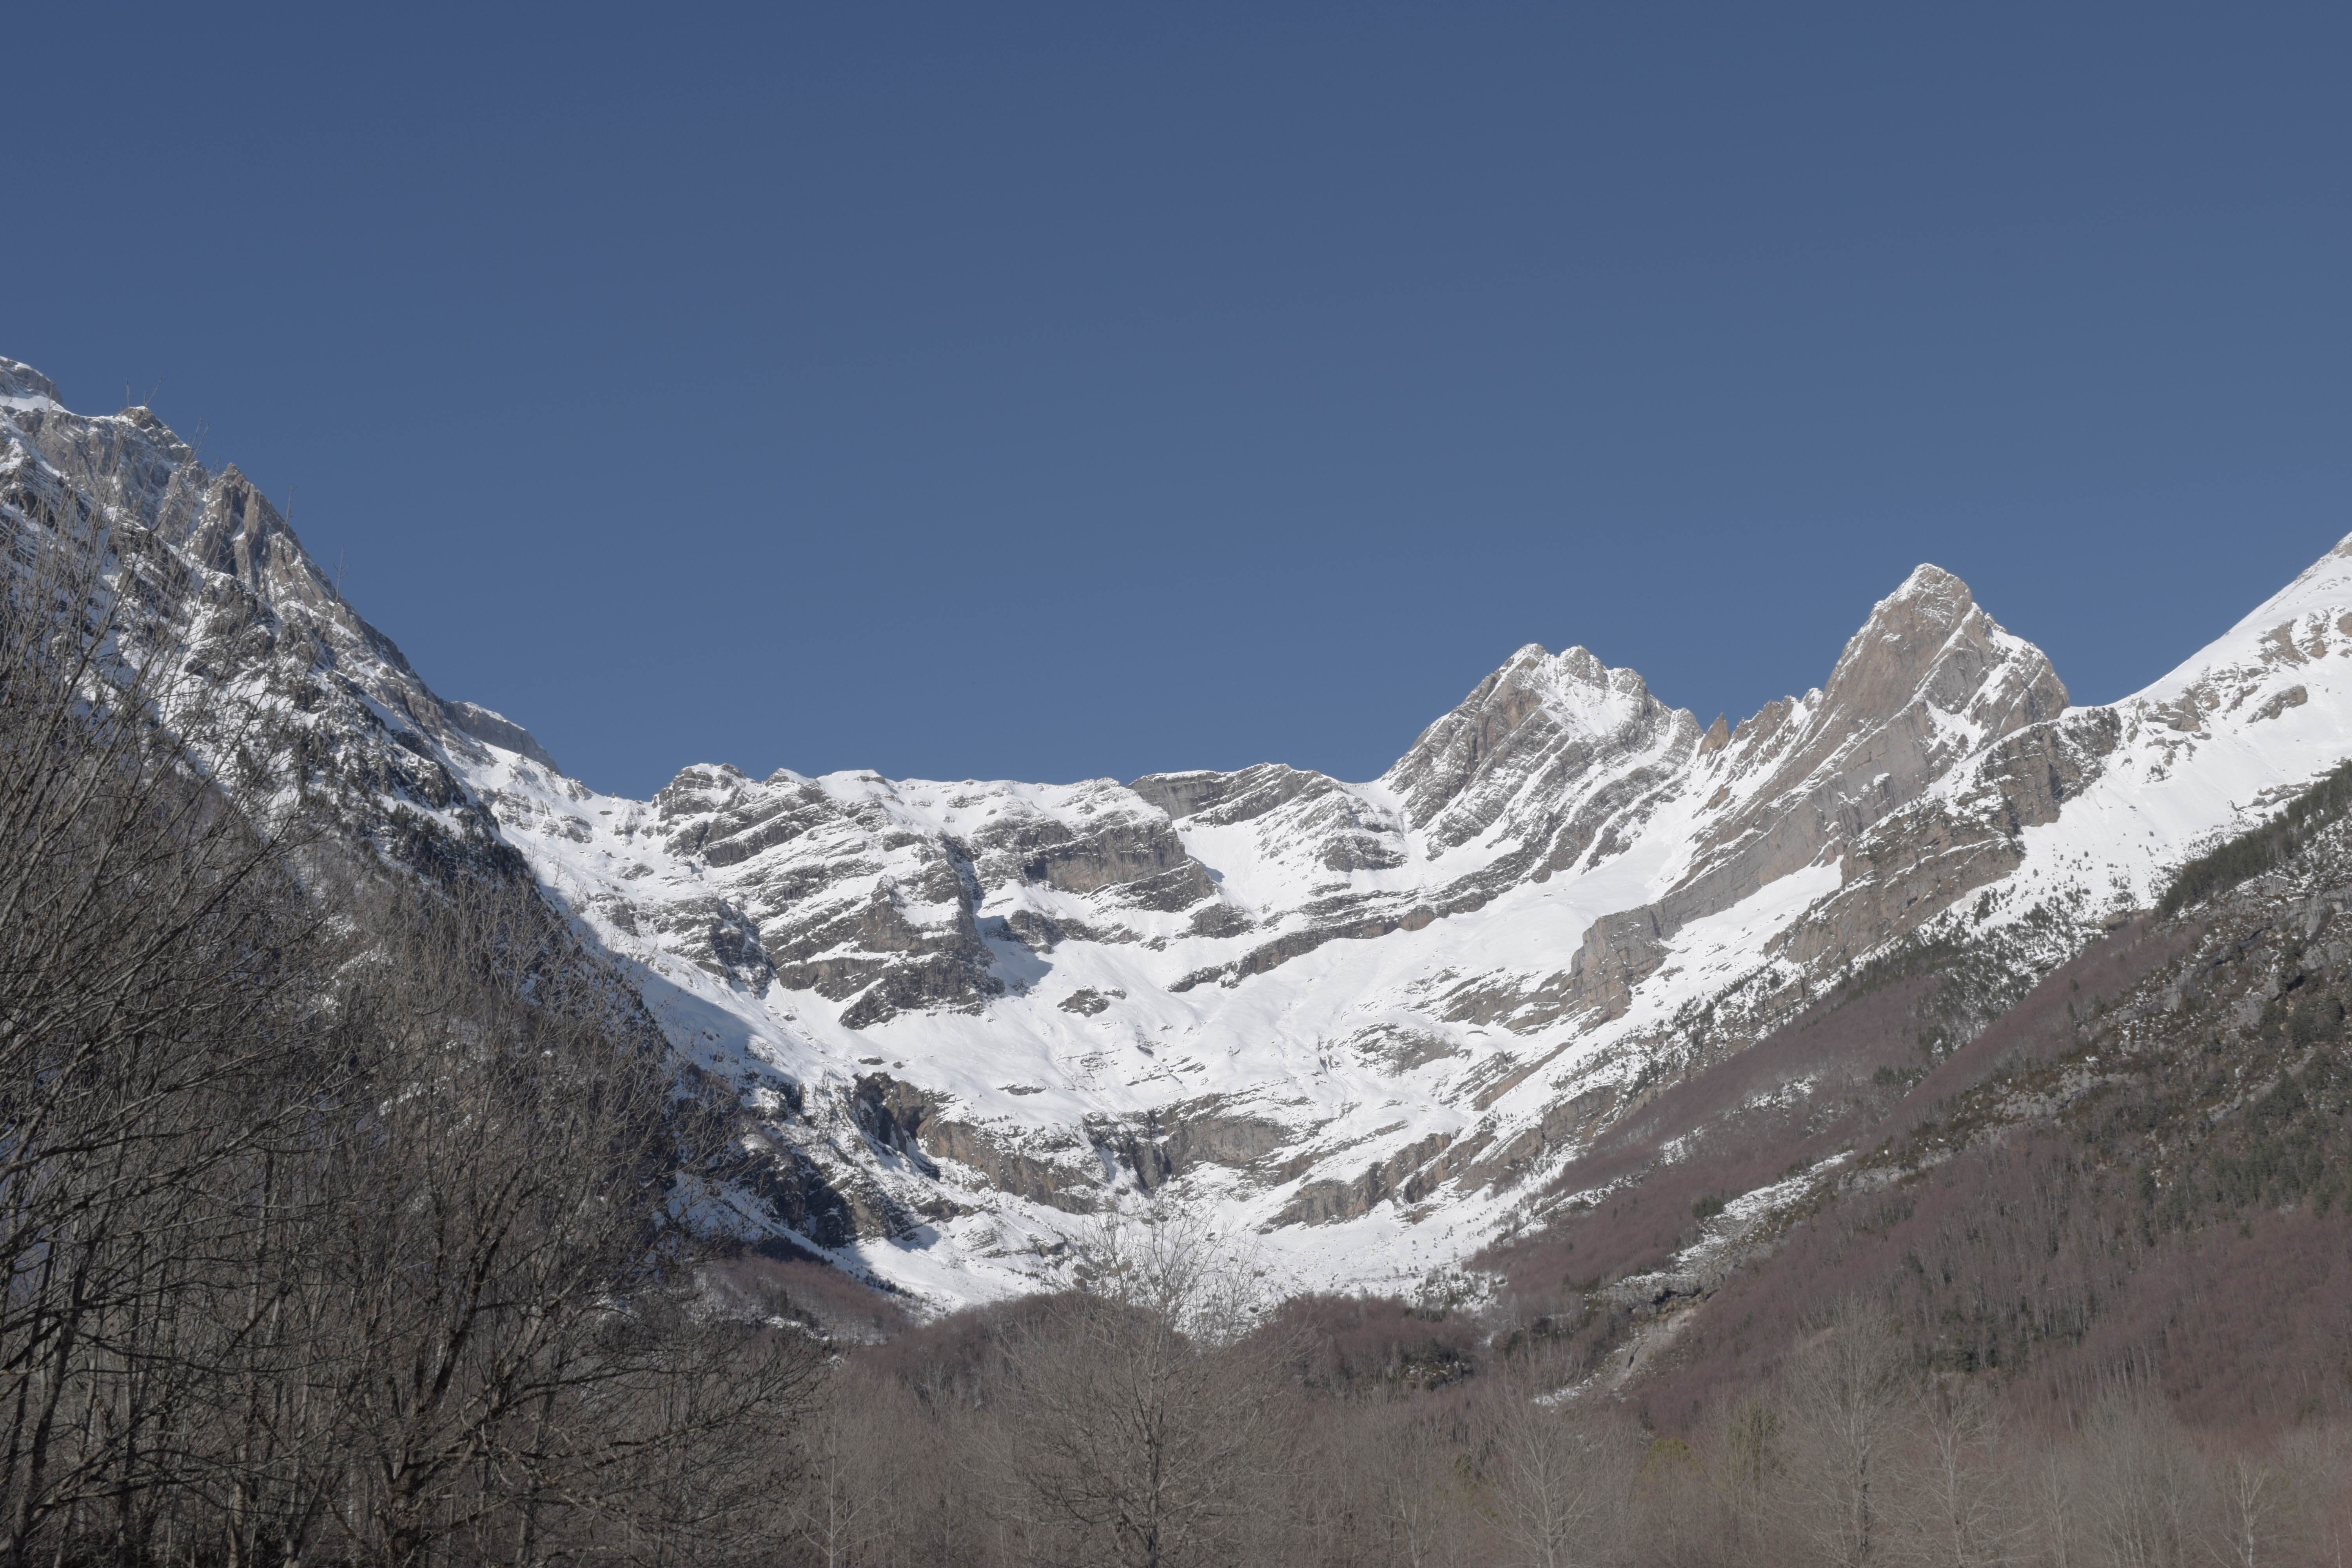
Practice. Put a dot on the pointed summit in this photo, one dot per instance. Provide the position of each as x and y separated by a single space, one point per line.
1538 710
1928 643
22 386
1927 681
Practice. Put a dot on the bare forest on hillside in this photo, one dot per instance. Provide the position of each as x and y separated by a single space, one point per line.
1358 1432
339 1209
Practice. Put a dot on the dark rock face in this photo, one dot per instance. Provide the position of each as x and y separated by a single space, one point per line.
1219 921
718 939
908 1122
1212 1133
798 1196
989 1155
496 730
1123 852
1398 1049
1159 1146
1223 800
1327 1202
1618 952
892 1114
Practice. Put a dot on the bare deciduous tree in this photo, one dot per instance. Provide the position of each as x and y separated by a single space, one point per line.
1557 1482
2142 1481
1959 1508
1846 1398
1143 1417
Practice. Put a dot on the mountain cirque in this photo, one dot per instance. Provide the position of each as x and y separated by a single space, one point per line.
1362 1023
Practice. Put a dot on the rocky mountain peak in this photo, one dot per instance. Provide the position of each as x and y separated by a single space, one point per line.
1930 644
1535 705
242 534
1574 688
1927 681
22 386
495 729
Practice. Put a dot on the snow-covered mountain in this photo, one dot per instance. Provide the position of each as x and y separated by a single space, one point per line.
1360 1023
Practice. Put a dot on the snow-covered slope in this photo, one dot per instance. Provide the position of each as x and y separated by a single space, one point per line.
1357 1022
2250 719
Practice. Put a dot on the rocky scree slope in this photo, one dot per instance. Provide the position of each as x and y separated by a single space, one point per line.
1364 1024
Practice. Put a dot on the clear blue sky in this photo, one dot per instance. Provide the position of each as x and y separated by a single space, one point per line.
1053 391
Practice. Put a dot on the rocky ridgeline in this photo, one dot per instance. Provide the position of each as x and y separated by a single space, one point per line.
1364 1020
207 555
